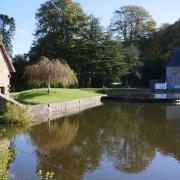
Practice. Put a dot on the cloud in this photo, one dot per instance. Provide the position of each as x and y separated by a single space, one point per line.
23 31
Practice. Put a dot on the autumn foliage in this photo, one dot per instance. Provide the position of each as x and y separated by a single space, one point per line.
54 73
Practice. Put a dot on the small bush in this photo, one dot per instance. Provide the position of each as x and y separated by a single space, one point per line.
2 133
5 160
15 115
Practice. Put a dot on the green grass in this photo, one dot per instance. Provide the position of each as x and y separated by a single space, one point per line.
41 96
15 115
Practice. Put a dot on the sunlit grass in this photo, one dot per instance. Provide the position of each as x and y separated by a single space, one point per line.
41 96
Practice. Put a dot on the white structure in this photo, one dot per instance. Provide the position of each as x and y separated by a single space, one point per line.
173 71
160 86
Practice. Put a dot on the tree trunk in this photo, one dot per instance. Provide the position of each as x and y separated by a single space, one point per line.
127 81
49 84
89 82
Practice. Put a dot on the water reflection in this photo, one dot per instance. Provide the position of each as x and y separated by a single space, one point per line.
54 136
127 135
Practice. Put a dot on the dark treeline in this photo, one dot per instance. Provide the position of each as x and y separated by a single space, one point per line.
130 52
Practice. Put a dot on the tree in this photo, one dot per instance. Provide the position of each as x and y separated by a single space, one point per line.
18 80
157 50
64 30
7 29
58 23
86 51
54 72
132 59
111 65
131 23
98 59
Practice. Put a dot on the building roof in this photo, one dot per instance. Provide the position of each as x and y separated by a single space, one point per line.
6 57
175 60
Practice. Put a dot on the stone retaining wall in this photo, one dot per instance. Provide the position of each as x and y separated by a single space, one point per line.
44 112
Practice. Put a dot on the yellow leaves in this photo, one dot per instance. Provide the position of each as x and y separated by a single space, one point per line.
59 73
45 176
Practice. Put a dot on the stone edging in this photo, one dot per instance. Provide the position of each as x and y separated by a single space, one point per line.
44 112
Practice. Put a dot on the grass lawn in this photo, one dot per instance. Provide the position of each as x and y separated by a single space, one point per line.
41 96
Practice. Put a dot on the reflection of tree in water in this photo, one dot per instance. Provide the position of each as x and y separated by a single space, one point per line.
133 151
109 130
54 136
133 154
125 133
75 157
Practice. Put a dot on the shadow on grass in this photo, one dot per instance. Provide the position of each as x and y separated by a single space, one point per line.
25 96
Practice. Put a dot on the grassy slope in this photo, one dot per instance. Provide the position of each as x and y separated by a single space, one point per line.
41 96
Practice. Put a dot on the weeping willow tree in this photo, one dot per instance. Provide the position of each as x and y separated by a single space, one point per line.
48 73
59 135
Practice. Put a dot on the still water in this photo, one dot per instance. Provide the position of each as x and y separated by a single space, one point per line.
111 142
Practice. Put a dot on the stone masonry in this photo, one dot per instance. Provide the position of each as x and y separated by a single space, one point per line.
44 112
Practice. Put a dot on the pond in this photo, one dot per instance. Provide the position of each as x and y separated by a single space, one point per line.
113 141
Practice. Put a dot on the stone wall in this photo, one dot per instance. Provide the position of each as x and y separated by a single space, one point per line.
43 113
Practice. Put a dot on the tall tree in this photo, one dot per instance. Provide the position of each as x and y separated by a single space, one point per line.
58 23
65 31
111 65
7 29
158 49
130 23
98 59
132 59
86 51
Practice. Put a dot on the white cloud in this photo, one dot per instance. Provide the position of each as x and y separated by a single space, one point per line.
23 31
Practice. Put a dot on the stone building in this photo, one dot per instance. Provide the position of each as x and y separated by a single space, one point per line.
173 71
6 68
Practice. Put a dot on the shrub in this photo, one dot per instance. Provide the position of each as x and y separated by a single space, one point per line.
15 115
5 160
2 133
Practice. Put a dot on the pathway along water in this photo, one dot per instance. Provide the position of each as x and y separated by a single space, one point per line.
114 141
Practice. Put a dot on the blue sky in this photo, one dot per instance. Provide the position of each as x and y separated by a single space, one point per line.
24 13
